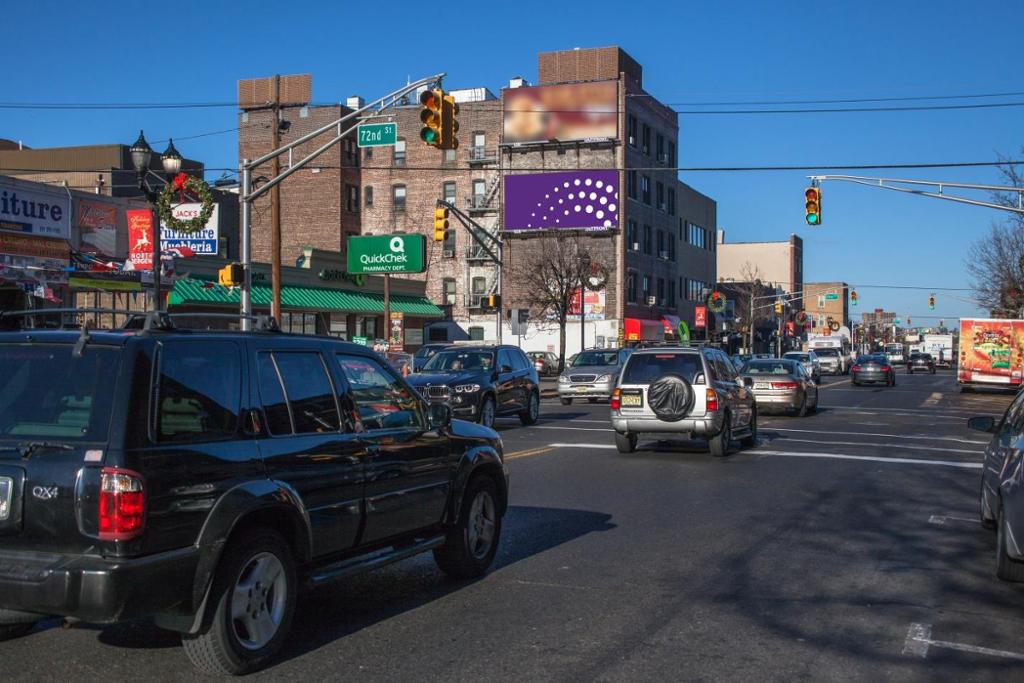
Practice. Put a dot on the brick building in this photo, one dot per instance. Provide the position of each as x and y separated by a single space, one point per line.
821 308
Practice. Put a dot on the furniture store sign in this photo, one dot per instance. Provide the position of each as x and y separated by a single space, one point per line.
387 254
203 242
34 213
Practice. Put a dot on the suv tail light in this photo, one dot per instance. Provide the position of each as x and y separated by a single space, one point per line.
616 400
784 385
122 504
711 401
886 368
855 368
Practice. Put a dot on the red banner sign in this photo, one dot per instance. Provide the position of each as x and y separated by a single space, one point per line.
700 316
140 238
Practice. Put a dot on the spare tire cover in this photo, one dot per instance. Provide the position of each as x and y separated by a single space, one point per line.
670 397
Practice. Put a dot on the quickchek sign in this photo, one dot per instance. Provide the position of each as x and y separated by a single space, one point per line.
387 254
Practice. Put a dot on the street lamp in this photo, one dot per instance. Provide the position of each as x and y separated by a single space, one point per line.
142 156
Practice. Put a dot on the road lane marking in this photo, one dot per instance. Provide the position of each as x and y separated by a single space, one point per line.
529 452
833 384
919 639
576 429
940 520
933 399
603 446
965 451
873 458
888 436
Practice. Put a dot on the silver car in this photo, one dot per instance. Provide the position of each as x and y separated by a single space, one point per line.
780 384
682 392
592 375
809 360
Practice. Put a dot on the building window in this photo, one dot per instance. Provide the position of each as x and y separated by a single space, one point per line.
351 152
671 245
479 193
368 195
476 333
645 189
398 197
647 239
659 196
631 288
671 201
631 184
645 287
448 156
659 146
400 152
672 296
351 198
448 291
671 153
631 130
821 301
696 235
448 191
662 252
478 286
660 291
632 239
646 140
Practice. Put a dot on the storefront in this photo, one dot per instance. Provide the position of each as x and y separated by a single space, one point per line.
318 297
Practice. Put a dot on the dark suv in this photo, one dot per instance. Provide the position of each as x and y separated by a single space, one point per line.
202 478
482 382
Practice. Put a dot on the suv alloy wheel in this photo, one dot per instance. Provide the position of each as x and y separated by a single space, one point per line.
719 444
472 543
532 412
487 411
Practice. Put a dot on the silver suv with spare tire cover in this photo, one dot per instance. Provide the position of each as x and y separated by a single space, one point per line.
682 391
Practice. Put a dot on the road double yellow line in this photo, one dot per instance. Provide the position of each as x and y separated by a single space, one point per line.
529 452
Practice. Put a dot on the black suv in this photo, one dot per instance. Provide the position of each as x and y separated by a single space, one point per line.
482 382
202 478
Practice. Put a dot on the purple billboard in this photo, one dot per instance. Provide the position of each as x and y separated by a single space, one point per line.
575 200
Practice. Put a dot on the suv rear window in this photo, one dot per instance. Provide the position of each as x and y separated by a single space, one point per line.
644 368
826 352
47 393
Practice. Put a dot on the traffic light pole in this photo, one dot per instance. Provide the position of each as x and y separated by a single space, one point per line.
894 183
493 248
249 195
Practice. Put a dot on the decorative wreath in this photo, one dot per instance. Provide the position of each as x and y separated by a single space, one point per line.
800 318
716 302
833 325
598 273
185 184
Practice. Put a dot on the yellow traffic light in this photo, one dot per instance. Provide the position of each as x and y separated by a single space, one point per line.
449 122
931 302
491 302
778 308
231 275
812 205
440 224
432 133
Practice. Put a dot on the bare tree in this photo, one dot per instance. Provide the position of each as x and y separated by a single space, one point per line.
996 262
549 270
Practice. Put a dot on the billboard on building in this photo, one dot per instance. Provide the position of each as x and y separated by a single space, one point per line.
566 112
203 242
33 212
575 200
97 223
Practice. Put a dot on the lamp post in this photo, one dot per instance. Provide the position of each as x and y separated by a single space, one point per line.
142 156
585 263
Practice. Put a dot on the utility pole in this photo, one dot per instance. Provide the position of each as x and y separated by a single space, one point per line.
275 206
750 321
387 308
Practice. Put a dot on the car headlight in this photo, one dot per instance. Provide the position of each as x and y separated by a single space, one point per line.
563 379
466 388
604 378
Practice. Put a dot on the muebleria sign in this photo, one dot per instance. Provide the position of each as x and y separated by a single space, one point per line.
387 254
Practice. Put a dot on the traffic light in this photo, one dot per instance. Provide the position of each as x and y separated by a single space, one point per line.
931 302
812 206
778 308
490 303
449 122
440 223
908 322
231 275
853 297
432 133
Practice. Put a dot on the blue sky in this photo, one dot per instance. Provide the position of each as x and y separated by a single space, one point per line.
691 52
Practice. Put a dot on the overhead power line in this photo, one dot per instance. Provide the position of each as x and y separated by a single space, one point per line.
852 100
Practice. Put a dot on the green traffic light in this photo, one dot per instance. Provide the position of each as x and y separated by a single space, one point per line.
812 219
428 135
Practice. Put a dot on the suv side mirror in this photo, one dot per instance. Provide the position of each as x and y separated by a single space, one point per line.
440 415
983 423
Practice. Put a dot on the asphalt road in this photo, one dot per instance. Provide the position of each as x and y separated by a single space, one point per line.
844 547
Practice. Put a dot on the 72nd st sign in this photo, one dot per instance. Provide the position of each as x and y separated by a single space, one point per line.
377 134
368 254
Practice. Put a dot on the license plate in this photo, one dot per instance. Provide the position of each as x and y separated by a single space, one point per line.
761 385
632 400
583 388
6 487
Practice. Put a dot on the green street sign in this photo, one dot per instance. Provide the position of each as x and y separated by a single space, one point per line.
831 296
369 254
359 340
377 134
897 321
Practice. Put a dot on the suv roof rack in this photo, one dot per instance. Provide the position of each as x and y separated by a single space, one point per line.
140 320
65 323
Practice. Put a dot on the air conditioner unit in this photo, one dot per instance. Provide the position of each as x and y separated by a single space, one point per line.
632 140
663 158
651 300
636 246
449 253
663 254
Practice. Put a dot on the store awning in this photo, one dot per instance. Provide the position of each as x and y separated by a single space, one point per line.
201 293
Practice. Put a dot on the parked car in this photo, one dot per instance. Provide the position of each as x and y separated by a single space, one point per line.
873 369
545 362
425 353
808 359
480 383
830 361
780 384
1002 498
920 362
201 478
682 392
592 375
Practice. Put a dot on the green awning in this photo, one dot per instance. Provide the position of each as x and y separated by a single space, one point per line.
189 291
